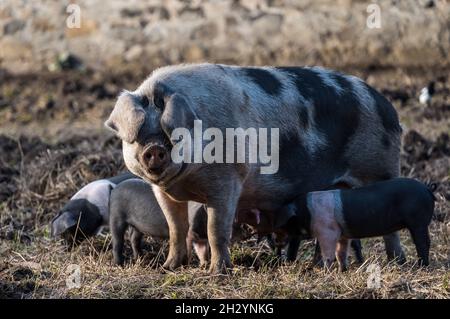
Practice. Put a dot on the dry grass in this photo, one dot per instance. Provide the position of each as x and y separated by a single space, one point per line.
40 271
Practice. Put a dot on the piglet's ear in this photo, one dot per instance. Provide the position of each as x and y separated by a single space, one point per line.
126 118
63 222
177 114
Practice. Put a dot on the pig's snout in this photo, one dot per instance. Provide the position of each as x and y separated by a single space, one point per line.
155 158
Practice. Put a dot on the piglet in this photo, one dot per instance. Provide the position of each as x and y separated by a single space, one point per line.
335 216
86 213
133 205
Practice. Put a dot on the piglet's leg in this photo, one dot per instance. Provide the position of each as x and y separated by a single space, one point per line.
394 249
136 241
342 253
189 243
357 249
317 258
421 239
118 228
201 248
327 242
324 225
292 250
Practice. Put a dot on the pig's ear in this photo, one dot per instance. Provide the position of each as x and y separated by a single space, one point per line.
177 114
283 215
63 222
126 118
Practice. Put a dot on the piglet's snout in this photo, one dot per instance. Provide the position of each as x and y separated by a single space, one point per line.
155 158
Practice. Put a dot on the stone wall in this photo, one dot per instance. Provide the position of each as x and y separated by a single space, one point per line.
33 34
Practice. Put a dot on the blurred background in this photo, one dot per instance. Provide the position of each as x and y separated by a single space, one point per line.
59 58
151 33
63 63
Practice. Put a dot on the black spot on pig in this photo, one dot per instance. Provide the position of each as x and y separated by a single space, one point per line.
264 79
308 82
291 148
385 111
330 107
385 141
303 115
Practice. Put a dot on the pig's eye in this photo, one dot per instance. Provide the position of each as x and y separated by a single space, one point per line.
144 101
158 100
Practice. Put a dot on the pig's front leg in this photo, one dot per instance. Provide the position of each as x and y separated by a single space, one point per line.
328 241
176 214
221 211
342 253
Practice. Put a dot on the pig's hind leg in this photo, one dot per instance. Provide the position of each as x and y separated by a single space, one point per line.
136 241
292 250
421 239
357 249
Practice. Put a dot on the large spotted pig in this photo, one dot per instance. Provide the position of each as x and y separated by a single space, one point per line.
334 130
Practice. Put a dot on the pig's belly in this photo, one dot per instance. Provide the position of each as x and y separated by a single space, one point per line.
268 192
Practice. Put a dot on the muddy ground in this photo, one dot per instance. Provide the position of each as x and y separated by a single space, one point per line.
52 142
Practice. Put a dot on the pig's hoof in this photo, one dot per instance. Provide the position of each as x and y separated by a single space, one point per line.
318 264
400 260
343 268
174 263
423 263
222 267
119 261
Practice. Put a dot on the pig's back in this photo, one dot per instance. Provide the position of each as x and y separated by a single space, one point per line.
384 207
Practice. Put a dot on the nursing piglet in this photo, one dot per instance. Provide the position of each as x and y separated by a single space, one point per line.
335 216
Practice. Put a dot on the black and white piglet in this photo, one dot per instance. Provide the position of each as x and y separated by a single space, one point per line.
335 216
87 209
